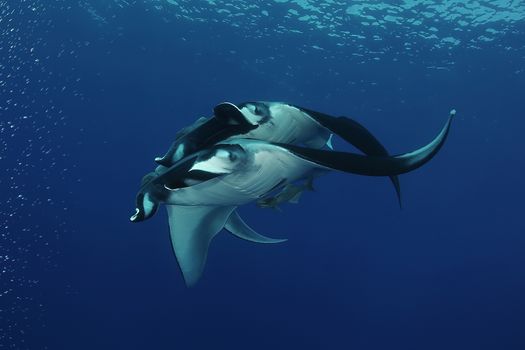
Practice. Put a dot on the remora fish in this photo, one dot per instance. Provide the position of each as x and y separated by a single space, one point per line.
290 194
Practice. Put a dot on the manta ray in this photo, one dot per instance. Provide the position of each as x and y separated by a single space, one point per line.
202 189
272 122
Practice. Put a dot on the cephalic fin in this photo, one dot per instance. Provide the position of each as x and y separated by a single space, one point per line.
230 114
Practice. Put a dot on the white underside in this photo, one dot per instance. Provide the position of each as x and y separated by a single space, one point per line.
268 166
288 125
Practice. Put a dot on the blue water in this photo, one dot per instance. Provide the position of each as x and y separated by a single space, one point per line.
92 91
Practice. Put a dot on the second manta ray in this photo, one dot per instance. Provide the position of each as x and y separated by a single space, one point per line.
202 190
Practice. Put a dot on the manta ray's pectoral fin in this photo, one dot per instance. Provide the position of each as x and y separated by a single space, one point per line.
240 229
191 230
373 165
231 114
185 131
357 135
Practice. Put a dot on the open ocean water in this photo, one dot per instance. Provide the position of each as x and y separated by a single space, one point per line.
92 91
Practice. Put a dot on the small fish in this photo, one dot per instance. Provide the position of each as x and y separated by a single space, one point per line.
289 194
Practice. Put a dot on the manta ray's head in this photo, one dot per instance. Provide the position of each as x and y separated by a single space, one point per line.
260 112
157 187
256 112
204 165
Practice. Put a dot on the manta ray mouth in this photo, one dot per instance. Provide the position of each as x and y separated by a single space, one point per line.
171 189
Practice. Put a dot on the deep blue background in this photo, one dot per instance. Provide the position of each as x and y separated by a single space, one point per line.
446 271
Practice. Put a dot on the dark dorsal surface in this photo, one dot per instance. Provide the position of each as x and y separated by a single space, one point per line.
357 135
373 165
227 121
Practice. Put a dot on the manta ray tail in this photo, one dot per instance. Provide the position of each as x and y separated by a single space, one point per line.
357 135
374 165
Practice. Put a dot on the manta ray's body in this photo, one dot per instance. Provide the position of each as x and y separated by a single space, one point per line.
202 189
272 122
